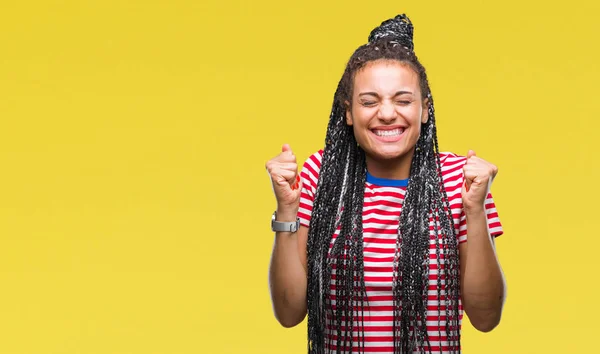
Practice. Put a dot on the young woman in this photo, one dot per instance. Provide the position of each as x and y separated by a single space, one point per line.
382 239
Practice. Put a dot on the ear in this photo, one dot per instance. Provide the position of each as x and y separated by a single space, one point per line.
349 120
425 112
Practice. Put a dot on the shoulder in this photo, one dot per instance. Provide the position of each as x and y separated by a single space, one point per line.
313 162
311 168
452 168
451 162
317 156
451 159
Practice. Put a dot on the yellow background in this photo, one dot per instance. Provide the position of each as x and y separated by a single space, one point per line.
134 204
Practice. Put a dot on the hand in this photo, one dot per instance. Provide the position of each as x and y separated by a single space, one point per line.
479 175
285 180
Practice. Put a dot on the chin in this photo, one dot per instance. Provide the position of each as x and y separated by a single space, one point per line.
387 155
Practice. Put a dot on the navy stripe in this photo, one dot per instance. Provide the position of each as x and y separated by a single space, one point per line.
385 182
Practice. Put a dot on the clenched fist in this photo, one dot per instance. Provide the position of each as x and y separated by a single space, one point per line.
285 179
479 175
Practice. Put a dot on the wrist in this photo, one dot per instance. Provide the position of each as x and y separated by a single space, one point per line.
474 211
286 214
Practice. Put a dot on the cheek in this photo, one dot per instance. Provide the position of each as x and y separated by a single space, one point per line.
361 117
418 127
416 124
415 117
412 114
360 134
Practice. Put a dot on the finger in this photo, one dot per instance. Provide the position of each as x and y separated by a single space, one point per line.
283 177
467 184
283 157
469 173
292 166
494 171
473 170
470 154
479 171
286 154
298 183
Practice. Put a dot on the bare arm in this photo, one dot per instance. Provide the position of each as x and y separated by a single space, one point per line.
287 276
287 271
483 285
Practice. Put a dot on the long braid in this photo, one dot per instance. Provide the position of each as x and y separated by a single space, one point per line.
451 268
339 202
342 197
425 205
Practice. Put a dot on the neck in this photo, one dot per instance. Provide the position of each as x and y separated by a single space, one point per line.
398 168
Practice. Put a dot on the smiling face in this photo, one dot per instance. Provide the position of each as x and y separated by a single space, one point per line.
386 114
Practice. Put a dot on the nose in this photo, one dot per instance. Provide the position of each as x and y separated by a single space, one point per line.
387 112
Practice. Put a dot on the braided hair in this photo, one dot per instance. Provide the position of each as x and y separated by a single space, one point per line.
339 203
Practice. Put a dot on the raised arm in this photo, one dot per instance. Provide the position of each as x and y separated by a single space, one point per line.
287 271
482 281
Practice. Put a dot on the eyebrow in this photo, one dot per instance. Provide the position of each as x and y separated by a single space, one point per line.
376 95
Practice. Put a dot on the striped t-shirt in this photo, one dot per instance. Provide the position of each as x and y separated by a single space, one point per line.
382 204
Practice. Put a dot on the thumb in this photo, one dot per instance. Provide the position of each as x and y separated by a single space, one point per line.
467 183
286 147
468 179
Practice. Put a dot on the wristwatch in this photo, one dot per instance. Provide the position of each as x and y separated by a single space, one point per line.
286 226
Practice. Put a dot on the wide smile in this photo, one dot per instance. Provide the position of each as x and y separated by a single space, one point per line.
388 135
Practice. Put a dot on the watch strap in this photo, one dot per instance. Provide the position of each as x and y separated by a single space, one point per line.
284 226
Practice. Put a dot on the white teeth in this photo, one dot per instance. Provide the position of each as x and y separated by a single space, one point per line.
394 132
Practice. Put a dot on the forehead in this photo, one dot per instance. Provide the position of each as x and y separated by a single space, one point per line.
386 75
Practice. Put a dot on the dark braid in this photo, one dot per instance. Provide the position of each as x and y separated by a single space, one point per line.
339 202
346 161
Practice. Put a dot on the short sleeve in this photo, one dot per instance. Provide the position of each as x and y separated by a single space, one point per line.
493 220
310 176
452 171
